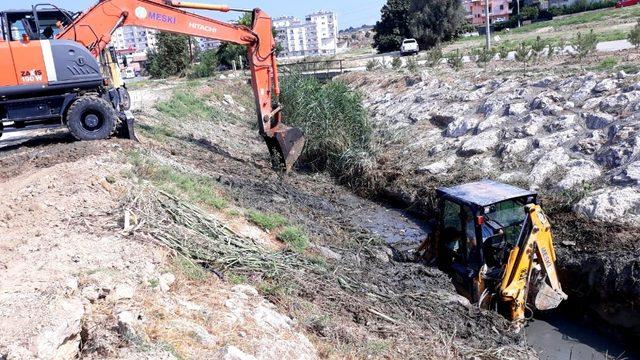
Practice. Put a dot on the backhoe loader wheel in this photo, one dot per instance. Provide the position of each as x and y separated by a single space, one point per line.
91 118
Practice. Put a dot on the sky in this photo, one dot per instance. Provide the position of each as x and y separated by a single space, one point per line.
350 12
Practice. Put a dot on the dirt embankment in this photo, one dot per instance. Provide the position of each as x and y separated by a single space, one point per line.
574 138
93 277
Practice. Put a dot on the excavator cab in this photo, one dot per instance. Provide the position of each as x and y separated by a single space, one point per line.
478 225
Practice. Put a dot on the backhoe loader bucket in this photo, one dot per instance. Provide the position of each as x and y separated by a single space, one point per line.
288 145
547 298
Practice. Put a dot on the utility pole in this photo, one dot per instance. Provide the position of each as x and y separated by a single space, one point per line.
518 10
487 23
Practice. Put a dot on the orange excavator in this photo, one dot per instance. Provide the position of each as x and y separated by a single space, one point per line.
58 69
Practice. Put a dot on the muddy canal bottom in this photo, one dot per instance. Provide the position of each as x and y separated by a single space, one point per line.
553 335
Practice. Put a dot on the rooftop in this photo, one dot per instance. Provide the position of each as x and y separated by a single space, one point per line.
484 193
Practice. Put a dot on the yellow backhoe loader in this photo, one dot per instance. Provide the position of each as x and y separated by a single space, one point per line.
495 241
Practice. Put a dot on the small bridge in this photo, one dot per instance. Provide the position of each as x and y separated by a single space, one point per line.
324 70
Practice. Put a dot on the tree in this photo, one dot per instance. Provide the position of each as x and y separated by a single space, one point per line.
228 53
585 44
171 57
634 35
207 65
484 57
393 26
523 55
538 47
530 13
436 21
455 60
503 52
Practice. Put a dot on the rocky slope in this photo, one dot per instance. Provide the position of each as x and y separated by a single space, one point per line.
575 138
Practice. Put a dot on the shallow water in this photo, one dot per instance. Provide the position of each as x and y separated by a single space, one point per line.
557 337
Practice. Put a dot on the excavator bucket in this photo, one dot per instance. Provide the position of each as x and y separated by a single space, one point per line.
547 298
288 145
127 129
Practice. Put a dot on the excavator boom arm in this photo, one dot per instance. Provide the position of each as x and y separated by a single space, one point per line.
95 27
534 252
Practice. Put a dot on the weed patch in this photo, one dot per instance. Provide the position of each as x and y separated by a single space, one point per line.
266 221
335 122
295 237
191 270
183 104
197 188
158 132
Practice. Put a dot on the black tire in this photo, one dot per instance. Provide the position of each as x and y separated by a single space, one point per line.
91 118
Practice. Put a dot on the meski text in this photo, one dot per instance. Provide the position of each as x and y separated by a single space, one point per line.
162 18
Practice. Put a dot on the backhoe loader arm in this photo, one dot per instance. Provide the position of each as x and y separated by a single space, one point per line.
531 268
94 29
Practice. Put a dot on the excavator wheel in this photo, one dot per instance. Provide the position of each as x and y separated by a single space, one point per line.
91 118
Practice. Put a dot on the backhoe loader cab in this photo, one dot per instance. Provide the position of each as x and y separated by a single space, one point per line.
495 241
479 223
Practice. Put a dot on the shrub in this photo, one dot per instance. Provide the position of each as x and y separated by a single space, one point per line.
333 118
434 56
373 65
266 221
412 64
585 44
455 60
634 35
538 47
484 56
295 237
607 63
523 54
503 52
396 63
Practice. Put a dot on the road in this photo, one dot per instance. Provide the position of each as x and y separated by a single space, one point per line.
611 46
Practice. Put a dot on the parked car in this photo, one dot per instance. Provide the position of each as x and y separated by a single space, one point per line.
409 47
128 73
625 3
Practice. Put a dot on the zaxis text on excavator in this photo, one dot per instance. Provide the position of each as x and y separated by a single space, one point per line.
495 242
59 71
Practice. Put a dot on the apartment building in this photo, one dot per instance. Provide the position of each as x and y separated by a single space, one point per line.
208 44
499 10
316 35
134 38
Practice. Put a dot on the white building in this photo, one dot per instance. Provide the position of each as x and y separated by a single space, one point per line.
208 44
134 38
317 35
